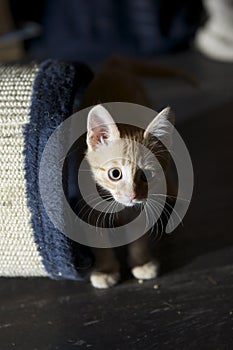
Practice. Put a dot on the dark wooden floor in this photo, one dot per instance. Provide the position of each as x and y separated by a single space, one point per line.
192 308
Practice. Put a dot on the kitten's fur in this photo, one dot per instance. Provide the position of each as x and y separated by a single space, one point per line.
108 145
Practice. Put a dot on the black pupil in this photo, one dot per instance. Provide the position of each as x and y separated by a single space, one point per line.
115 173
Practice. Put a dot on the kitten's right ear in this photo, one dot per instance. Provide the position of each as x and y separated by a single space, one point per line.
162 126
101 128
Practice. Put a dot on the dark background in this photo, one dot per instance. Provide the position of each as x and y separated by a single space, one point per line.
192 307
92 30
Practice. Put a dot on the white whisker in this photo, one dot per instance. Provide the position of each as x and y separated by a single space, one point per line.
169 196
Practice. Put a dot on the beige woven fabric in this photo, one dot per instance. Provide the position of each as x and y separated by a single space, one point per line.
18 251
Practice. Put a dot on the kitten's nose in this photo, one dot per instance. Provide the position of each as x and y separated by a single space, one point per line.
132 197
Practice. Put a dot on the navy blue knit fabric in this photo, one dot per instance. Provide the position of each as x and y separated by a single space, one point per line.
55 88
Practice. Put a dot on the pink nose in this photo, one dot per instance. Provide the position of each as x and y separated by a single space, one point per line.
133 196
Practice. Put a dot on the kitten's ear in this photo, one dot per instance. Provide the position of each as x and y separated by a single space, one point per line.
162 126
101 128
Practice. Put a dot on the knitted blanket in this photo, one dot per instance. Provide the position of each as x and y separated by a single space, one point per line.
34 100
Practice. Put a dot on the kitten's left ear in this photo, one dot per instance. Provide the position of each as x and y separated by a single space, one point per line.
162 126
101 128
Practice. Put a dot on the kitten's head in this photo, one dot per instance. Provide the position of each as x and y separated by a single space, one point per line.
118 163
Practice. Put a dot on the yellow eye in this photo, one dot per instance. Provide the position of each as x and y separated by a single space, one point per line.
115 174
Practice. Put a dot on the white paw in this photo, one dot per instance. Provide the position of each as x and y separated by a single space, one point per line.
104 280
146 271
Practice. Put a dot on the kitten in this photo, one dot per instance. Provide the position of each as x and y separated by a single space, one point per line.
127 184
120 168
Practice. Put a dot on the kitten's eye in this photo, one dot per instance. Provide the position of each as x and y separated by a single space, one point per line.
115 174
146 175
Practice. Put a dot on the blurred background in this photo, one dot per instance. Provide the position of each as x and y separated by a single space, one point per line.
196 261
92 30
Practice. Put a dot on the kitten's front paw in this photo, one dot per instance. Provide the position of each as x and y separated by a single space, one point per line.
146 271
104 280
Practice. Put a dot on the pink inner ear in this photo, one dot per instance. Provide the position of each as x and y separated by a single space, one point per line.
97 135
100 127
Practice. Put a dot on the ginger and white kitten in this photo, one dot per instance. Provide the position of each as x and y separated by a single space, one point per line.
119 169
